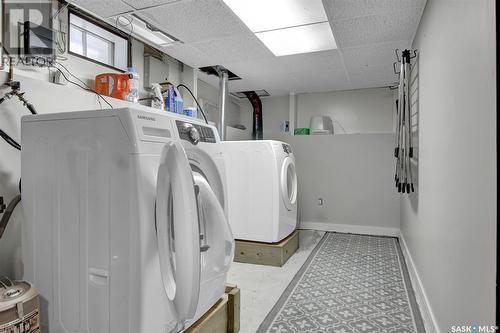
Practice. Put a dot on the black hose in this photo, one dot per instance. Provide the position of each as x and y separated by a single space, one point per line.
31 108
192 95
9 140
8 212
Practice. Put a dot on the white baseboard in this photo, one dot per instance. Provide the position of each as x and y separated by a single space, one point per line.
428 317
349 228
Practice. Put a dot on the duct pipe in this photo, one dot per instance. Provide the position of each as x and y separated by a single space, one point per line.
254 99
223 78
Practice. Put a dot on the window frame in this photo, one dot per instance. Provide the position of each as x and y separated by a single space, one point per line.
74 11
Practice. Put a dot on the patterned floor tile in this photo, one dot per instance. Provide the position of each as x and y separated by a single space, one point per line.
352 284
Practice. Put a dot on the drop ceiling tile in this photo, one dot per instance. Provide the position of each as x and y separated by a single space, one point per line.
274 84
342 9
322 81
188 55
327 60
238 47
381 73
255 67
381 76
195 20
372 55
102 8
141 4
394 26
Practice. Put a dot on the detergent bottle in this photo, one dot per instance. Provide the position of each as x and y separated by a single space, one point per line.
112 84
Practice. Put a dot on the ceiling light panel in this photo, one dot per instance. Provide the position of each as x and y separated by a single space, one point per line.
301 39
264 15
140 28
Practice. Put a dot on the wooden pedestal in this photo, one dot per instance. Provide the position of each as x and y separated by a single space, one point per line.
276 254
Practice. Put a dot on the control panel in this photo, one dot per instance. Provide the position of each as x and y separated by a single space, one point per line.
287 148
195 133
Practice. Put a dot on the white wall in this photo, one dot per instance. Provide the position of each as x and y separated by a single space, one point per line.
449 225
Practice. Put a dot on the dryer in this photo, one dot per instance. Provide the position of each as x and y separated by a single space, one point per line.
122 233
261 183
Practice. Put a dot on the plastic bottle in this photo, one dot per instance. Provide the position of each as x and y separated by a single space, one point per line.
170 99
178 102
133 86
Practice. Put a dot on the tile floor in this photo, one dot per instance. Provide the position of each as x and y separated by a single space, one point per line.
262 286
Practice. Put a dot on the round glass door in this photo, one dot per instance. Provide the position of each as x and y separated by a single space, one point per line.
178 231
289 183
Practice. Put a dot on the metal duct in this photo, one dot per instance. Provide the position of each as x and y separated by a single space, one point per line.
223 78
254 99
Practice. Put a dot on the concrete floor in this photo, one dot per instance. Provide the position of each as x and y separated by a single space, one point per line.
262 286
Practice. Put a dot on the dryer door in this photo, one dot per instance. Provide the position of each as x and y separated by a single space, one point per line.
178 231
289 183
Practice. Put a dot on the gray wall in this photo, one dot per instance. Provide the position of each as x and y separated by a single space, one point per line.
358 111
353 175
449 225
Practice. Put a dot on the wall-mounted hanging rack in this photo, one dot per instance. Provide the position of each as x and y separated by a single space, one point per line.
399 60
403 152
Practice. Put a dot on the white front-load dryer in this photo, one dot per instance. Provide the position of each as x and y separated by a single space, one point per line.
117 224
261 184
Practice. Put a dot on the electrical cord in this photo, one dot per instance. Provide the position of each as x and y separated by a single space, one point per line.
81 81
192 95
340 125
84 86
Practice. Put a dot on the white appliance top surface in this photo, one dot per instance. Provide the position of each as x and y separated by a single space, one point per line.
109 113
254 142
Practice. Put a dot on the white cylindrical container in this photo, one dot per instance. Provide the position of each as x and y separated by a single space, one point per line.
321 125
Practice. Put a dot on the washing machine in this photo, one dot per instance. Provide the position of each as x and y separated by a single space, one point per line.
124 228
217 241
261 183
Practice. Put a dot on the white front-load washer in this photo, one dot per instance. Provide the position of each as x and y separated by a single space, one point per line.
217 242
118 226
261 184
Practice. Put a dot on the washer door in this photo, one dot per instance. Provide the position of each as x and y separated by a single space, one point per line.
215 234
289 183
178 231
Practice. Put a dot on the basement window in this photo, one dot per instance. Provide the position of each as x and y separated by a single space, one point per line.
90 41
